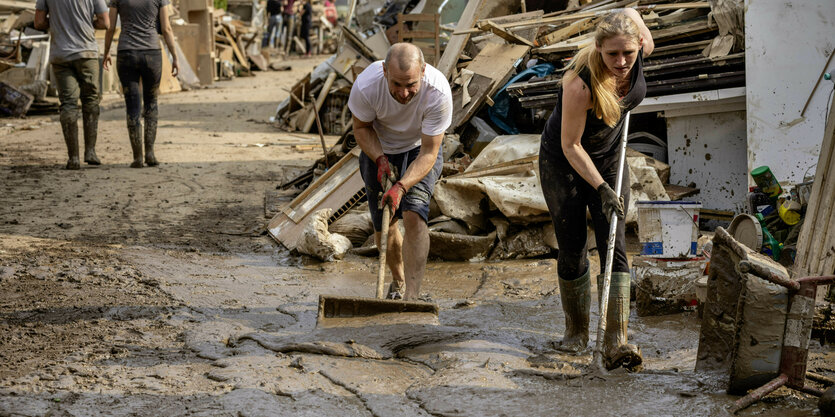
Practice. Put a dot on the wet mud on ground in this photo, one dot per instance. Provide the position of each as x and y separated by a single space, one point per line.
155 292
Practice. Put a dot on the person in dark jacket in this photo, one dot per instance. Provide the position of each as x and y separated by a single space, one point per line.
578 164
306 18
274 24
139 60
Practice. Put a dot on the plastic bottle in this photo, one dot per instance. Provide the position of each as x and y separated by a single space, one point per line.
766 181
771 246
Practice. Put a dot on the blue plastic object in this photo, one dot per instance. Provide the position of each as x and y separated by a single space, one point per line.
499 112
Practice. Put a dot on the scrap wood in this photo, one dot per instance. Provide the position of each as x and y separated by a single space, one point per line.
504 34
566 32
359 44
16 5
319 101
234 44
335 189
577 16
497 62
457 42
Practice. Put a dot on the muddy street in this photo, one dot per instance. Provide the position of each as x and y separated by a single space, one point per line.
157 292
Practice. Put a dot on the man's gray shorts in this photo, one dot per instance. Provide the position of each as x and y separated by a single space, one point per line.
416 199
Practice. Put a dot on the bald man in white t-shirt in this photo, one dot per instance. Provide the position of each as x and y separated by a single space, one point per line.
401 108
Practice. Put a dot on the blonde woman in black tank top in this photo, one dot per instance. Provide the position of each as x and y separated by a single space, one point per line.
578 168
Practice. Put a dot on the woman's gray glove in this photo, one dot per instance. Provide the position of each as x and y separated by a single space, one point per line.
611 202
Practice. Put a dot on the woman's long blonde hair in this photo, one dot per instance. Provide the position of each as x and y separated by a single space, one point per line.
604 99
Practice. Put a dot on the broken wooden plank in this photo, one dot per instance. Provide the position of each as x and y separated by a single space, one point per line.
564 33
478 88
323 94
677 192
504 34
234 43
815 254
496 61
17 5
457 42
578 16
333 190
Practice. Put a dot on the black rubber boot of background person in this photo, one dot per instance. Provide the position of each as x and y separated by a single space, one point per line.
616 351
576 300
150 137
69 126
91 126
135 135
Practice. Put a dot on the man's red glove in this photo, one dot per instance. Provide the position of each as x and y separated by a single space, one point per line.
393 196
383 169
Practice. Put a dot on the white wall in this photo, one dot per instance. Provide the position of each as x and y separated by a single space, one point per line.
708 151
787 43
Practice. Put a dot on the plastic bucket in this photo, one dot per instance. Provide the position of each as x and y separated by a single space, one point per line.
668 229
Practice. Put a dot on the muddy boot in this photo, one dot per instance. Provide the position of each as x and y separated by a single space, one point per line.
69 126
150 137
91 125
616 352
576 299
135 135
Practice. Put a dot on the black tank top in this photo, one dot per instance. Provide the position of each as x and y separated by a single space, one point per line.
598 139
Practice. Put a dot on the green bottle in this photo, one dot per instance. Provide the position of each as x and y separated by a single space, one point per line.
766 181
771 246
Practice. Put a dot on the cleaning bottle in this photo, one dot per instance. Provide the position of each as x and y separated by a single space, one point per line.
771 246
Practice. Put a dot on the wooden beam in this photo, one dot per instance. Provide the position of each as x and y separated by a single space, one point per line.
17 5
457 42
323 94
504 34
234 44
578 16
562 34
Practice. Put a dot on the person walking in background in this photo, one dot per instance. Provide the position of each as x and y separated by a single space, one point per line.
74 55
139 59
307 17
288 20
273 25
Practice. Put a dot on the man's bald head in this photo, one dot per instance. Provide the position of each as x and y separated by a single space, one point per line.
404 56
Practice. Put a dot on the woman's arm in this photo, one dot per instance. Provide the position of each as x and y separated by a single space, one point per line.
646 36
168 35
576 100
108 37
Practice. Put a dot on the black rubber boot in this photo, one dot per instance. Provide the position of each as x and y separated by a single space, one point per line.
576 299
135 135
616 351
69 126
91 126
150 138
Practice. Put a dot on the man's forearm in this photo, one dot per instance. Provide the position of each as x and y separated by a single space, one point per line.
418 169
369 143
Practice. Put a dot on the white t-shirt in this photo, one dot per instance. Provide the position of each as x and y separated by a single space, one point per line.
399 126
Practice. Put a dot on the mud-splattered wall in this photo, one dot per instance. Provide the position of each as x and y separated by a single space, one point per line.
787 43
708 151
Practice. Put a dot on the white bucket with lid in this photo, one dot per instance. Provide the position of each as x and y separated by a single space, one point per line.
668 229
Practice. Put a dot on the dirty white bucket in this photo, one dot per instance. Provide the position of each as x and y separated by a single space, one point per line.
668 229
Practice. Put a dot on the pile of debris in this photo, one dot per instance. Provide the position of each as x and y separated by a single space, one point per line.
211 44
505 71
24 54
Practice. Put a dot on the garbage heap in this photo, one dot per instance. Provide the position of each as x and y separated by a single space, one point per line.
504 64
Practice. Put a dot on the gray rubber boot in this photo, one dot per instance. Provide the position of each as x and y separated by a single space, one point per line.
91 126
576 300
135 135
69 126
150 138
616 351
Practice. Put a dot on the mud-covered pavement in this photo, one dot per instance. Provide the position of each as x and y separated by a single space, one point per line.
156 292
